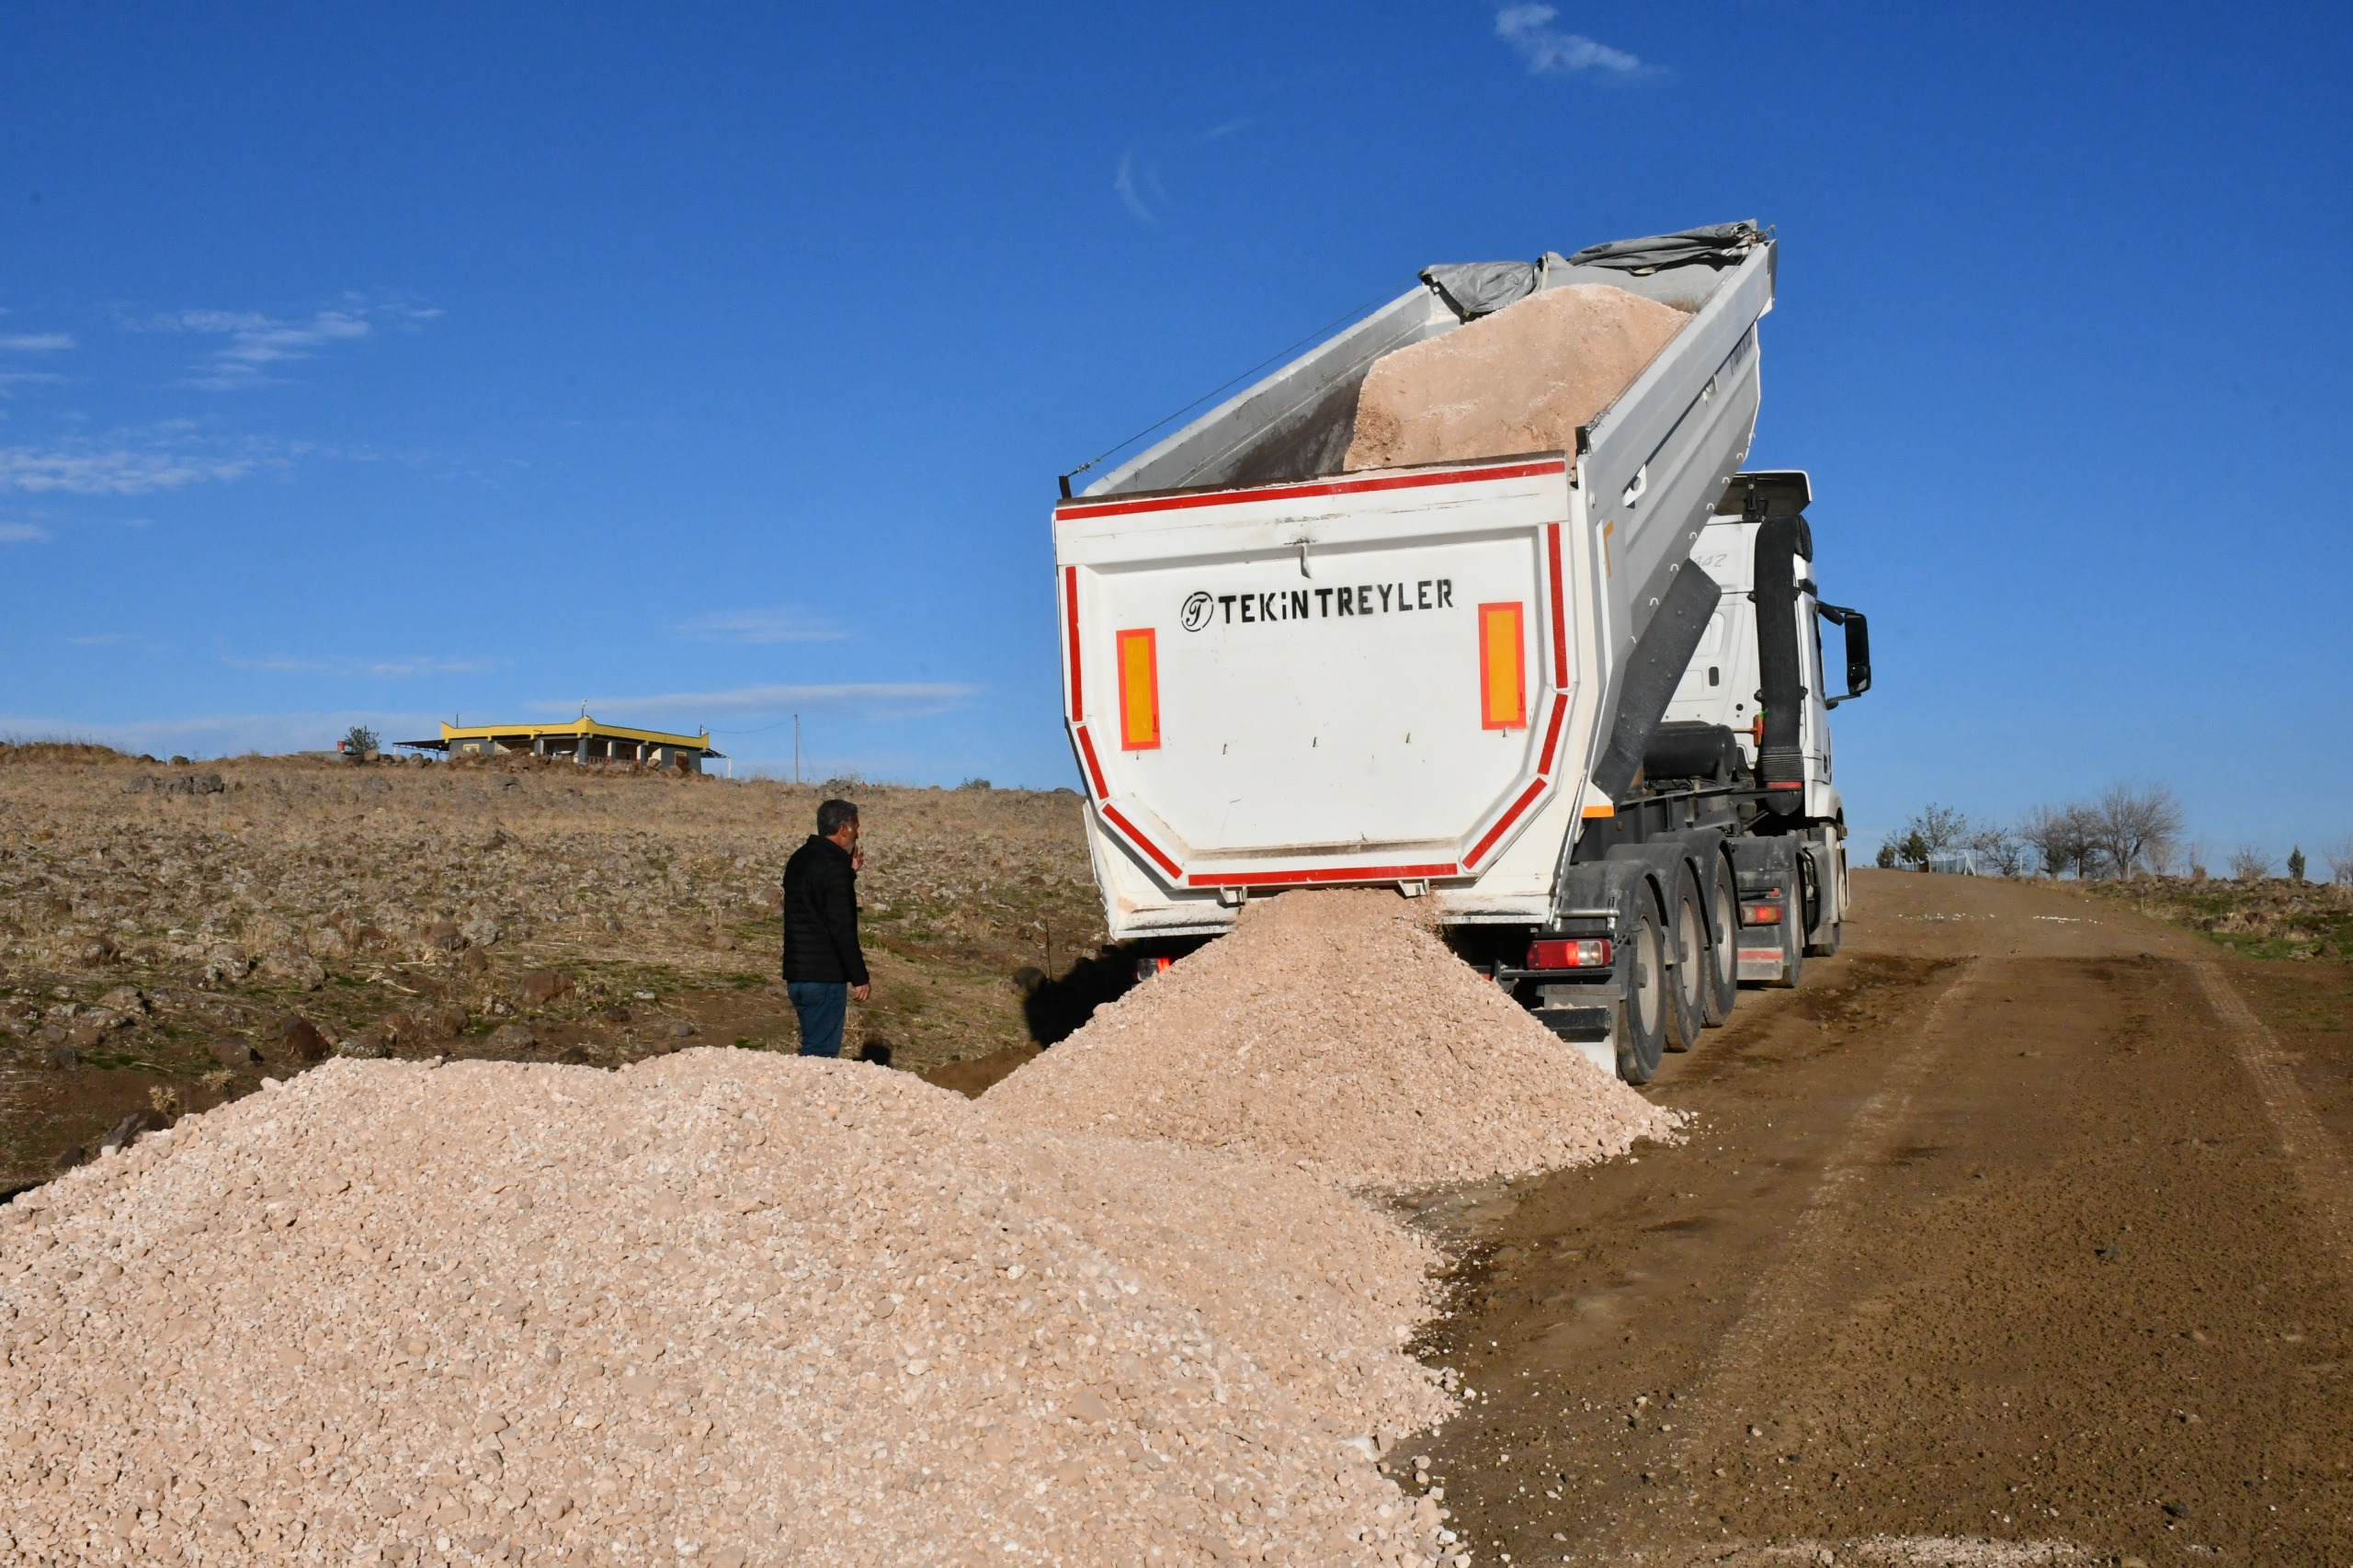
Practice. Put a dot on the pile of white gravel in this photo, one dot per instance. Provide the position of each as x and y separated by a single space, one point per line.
1334 1028
719 1307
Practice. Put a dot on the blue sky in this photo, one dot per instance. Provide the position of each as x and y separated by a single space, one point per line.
710 364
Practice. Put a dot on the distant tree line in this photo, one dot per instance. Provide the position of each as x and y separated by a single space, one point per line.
2126 830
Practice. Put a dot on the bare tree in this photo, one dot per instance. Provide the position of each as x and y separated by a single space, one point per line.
2249 864
2000 849
2130 825
2062 838
2340 861
1940 830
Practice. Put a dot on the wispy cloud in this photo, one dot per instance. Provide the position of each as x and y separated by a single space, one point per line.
1132 191
36 342
1549 52
1220 132
379 669
254 347
21 533
137 462
758 626
883 699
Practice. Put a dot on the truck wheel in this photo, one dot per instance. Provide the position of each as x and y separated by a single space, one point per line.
1724 954
1641 1024
1793 930
1823 943
1687 996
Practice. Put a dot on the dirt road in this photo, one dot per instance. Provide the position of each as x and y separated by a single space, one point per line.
2014 1235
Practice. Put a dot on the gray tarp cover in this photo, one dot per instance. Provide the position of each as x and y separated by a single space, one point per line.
1482 288
1719 244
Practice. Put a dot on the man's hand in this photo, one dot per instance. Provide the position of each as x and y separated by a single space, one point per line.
861 992
856 861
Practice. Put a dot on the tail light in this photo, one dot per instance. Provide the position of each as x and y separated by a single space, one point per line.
1757 731
1764 910
1569 952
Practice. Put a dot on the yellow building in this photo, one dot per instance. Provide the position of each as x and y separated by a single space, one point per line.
582 739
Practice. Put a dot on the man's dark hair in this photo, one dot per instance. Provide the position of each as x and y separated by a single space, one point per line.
834 816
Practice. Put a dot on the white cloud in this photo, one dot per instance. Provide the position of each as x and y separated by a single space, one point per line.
36 342
255 343
1124 183
168 457
381 669
883 699
758 627
1551 52
21 533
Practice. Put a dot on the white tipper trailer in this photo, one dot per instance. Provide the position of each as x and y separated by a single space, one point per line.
1576 699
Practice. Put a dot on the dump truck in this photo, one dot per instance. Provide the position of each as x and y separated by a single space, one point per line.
1578 699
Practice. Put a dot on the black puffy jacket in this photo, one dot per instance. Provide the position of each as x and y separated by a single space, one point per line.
821 915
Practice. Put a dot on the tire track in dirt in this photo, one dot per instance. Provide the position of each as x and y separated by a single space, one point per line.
1782 1303
2315 1157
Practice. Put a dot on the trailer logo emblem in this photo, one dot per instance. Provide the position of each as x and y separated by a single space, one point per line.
1197 611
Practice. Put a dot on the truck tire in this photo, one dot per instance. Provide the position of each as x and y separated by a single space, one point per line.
1723 953
1821 943
1642 1017
1792 929
1687 996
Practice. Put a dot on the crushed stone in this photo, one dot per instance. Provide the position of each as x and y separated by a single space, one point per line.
1522 380
1335 1028
724 1307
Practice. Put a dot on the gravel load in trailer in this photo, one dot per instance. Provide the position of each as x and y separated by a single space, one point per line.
719 1308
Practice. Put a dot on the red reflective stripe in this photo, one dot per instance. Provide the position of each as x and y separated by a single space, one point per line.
1526 797
1077 510
1560 634
1094 769
1325 874
1793 784
1553 732
1069 611
1142 843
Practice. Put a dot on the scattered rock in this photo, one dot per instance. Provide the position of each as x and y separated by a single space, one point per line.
481 931
300 1038
126 1000
445 936
295 967
61 1056
230 1052
123 1131
541 986
226 965
682 1030
513 1036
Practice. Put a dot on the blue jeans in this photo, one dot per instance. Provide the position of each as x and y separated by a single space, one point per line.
821 1006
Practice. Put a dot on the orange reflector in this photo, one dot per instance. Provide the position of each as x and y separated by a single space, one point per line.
1503 656
1139 691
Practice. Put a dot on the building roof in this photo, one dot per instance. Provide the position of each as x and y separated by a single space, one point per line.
582 728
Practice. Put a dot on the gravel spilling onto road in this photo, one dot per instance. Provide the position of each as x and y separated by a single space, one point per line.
1334 1028
719 1307
1522 380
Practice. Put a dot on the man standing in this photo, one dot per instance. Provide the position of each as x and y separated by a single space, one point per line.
823 966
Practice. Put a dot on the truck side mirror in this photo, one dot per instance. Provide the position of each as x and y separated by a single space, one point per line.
1858 648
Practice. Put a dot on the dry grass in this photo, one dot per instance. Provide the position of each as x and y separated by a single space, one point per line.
399 907
2269 917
